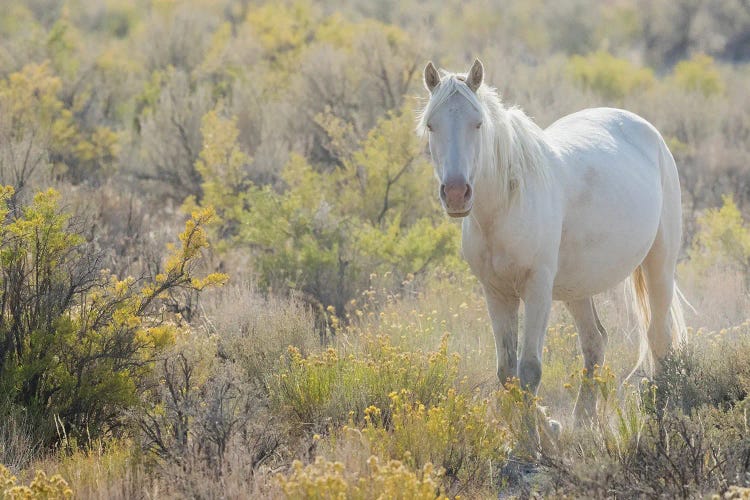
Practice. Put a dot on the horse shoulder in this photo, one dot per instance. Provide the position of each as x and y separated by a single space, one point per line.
518 244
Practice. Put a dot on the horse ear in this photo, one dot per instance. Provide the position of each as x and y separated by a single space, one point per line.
475 76
431 76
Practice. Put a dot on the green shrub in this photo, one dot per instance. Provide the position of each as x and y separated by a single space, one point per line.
74 342
699 74
33 106
608 76
712 370
684 436
723 240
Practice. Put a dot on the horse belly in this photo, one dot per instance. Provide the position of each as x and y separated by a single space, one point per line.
608 233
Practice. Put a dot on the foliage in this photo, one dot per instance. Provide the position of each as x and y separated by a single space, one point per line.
608 76
255 330
75 341
31 102
684 435
221 165
196 408
722 240
699 74
324 479
674 455
41 487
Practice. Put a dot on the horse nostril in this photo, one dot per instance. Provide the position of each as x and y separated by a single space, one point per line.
455 194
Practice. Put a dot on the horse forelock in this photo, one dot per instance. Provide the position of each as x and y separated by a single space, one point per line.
450 83
512 145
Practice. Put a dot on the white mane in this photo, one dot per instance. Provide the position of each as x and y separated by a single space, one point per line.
512 146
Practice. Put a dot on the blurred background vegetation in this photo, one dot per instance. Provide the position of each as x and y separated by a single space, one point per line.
155 150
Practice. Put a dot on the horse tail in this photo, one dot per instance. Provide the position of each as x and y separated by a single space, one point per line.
637 291
679 328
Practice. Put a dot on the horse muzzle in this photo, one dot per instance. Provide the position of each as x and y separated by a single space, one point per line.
457 198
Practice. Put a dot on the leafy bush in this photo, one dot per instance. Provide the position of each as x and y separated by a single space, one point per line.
712 370
608 76
723 239
74 342
675 456
254 331
686 436
31 101
699 74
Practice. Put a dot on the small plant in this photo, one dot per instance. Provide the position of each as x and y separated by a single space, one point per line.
41 487
460 433
324 479
331 387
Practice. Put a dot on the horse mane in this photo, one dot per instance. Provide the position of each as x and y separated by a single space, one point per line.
512 145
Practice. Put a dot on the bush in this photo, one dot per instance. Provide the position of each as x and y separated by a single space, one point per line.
712 370
686 437
254 331
74 342
31 101
198 407
608 76
699 74
674 456
723 240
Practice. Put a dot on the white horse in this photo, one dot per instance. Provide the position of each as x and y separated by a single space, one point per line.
557 214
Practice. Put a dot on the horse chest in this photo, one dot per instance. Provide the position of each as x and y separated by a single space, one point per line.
500 264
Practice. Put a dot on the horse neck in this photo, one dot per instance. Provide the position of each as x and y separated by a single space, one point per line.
520 164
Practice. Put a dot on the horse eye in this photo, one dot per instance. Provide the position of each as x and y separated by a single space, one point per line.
479 125
429 127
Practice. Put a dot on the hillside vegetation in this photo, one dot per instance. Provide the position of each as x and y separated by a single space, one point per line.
225 272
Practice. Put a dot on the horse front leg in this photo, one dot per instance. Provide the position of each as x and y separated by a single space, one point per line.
503 310
537 299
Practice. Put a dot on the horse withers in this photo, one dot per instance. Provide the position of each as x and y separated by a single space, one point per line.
562 213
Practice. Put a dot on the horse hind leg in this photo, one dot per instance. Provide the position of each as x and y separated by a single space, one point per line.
658 268
593 342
